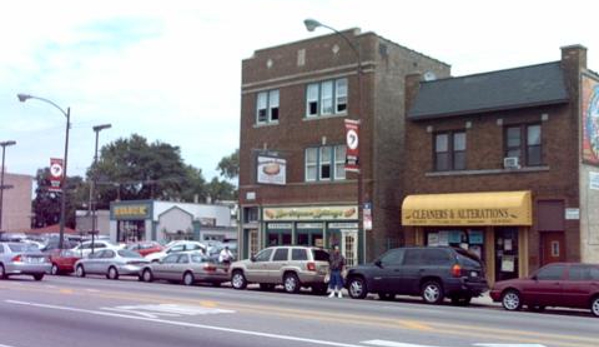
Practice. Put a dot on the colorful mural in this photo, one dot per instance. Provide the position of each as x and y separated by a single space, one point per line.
590 120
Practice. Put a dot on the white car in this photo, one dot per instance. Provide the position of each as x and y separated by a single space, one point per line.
178 246
85 248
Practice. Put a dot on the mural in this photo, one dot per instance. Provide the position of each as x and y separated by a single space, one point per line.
590 120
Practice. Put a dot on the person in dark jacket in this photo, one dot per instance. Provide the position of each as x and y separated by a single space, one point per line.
336 264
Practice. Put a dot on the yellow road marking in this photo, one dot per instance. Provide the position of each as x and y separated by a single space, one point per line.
66 291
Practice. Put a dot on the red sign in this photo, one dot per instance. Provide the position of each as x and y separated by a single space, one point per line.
352 153
56 171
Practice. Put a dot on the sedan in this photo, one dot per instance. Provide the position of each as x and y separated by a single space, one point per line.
176 247
112 263
145 247
85 248
573 285
63 261
187 268
22 259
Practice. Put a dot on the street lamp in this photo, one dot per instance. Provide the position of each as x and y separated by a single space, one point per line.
311 25
4 144
92 198
67 114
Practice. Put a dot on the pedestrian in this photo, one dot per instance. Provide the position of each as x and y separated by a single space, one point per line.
336 265
225 256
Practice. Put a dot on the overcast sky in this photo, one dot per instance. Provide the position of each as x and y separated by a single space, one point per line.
171 70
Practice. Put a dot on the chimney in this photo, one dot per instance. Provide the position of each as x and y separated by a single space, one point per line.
574 57
412 85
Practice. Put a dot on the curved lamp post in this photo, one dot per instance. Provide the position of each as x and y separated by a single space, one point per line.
4 144
311 25
67 114
92 198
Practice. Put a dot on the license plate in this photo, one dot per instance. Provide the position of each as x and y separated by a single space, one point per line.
35 260
473 274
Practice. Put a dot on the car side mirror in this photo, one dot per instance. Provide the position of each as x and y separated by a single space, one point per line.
378 263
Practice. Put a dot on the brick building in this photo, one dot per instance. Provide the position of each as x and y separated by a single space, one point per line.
503 163
293 187
16 206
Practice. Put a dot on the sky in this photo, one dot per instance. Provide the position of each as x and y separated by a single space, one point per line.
170 71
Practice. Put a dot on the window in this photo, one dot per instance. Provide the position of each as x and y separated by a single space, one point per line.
299 254
584 273
326 98
108 254
412 257
450 151
264 255
281 254
171 259
325 163
251 214
183 259
267 107
551 273
525 143
393 257
435 257
320 255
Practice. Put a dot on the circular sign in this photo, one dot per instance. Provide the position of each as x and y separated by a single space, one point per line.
56 170
352 139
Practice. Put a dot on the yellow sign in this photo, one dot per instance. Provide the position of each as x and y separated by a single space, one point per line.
311 213
131 210
496 208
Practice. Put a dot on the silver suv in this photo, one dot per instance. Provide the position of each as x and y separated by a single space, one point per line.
292 266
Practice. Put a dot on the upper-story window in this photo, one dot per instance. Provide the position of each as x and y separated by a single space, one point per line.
450 151
326 98
524 142
267 107
325 163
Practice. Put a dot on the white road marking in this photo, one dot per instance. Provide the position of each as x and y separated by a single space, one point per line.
508 345
92 290
143 314
189 325
6 346
384 343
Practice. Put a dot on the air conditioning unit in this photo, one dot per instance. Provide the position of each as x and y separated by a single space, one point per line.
511 163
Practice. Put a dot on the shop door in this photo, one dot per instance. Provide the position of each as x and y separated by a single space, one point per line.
553 247
349 247
506 254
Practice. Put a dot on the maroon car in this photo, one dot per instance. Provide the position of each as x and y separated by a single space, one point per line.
63 261
572 285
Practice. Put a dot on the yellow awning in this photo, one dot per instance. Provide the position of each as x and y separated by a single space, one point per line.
492 208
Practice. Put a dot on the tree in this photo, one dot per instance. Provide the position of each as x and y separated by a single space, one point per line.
229 166
221 190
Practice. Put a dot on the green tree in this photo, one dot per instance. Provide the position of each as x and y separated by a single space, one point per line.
229 166
46 204
219 190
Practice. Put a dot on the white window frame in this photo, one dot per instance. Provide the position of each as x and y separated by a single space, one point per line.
339 160
321 163
267 101
341 95
335 163
313 164
313 96
273 102
327 96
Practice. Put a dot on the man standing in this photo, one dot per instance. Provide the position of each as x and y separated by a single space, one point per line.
225 256
336 264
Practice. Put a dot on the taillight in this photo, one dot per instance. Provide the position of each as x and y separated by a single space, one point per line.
17 258
311 266
456 270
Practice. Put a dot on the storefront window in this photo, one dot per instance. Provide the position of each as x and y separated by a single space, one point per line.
131 231
278 238
468 239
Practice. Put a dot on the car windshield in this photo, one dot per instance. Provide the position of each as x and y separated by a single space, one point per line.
129 254
22 247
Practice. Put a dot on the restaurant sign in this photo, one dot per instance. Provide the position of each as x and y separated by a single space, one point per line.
310 213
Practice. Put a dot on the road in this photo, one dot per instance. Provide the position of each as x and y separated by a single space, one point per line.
69 311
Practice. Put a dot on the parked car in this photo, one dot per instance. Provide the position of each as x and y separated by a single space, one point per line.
215 249
186 267
85 248
175 247
63 261
431 272
52 244
145 247
112 263
22 259
573 285
292 266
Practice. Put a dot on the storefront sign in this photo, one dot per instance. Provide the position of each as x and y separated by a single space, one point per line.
56 171
279 226
309 225
573 213
271 170
343 225
131 211
310 213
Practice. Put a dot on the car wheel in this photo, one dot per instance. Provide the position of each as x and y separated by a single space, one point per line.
432 292
461 300
386 296
267 286
511 300
2 272
38 277
595 306
356 288
147 276
80 271
188 279
238 280
112 274
54 270
291 283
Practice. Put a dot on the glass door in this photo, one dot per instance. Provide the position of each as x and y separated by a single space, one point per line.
349 247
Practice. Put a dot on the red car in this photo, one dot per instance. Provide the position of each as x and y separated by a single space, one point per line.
63 261
573 285
145 247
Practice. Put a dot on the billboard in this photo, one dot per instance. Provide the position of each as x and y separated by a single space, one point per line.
590 120
271 170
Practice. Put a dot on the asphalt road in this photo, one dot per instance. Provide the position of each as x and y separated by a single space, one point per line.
69 311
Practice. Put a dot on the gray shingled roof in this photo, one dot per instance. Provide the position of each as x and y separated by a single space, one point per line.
499 90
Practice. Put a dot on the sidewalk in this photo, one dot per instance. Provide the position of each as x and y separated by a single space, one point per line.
485 300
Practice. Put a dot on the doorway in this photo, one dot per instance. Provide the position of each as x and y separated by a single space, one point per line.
349 247
553 247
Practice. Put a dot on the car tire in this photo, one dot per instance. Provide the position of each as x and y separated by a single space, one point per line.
38 277
463 300
386 296
267 287
595 306
113 273
432 292
511 300
291 283
54 270
147 276
188 279
357 288
80 271
238 280
2 272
